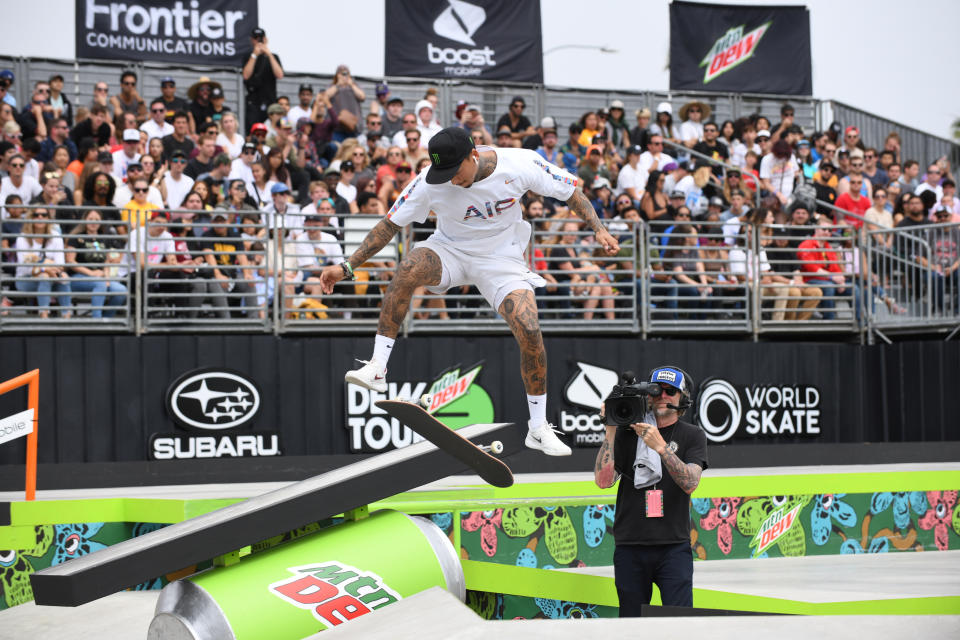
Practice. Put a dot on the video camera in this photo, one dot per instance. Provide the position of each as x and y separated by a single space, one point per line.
627 402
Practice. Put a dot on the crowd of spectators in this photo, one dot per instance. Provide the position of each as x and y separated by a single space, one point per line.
223 199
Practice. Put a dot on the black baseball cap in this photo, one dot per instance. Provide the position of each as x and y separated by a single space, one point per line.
257 33
448 148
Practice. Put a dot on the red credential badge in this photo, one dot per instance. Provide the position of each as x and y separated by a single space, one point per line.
654 503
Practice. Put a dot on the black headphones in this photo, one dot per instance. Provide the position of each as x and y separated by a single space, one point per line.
686 394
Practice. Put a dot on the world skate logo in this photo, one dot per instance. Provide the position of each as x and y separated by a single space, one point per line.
213 399
334 592
460 21
731 49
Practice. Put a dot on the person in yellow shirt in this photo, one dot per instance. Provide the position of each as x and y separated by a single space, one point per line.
136 212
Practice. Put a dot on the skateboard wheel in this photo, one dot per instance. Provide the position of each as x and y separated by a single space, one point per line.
496 447
426 400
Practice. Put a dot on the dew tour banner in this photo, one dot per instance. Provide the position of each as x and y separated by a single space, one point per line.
208 32
481 39
740 48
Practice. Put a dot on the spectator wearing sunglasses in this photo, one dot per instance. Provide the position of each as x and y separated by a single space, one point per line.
172 103
40 259
855 172
35 118
128 100
413 150
157 126
931 182
177 184
17 183
136 212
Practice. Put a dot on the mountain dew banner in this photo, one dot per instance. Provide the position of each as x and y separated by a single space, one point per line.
739 48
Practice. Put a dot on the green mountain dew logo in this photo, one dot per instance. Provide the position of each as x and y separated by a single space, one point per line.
334 592
457 401
774 527
731 49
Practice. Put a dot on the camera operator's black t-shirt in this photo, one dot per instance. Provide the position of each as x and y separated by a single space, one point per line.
631 525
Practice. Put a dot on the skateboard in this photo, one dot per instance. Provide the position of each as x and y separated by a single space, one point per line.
477 457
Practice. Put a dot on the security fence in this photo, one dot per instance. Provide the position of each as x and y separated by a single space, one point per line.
86 268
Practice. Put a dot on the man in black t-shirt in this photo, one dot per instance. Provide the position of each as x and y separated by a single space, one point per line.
652 523
171 103
260 74
713 148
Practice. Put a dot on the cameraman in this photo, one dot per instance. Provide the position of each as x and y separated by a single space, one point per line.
652 523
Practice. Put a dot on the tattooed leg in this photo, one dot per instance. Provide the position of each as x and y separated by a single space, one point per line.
421 267
519 309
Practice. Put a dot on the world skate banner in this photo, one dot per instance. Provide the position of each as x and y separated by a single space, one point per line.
480 39
208 32
739 48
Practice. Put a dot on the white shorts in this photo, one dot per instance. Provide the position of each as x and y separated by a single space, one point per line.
494 275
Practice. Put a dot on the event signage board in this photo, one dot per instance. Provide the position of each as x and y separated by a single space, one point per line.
477 40
738 48
16 426
207 32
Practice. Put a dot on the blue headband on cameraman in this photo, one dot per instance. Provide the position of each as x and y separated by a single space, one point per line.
671 376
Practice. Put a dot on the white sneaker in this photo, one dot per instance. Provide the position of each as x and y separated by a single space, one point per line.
545 439
372 375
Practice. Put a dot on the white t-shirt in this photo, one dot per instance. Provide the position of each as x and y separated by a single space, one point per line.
232 149
296 112
120 162
240 171
347 191
177 190
292 217
647 159
28 190
741 262
691 131
738 153
316 253
34 249
923 186
781 173
155 130
632 178
32 169
155 247
485 218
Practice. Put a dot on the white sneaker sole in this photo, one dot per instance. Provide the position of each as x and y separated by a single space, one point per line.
351 376
532 443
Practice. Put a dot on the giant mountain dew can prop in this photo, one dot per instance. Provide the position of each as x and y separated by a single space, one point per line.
311 584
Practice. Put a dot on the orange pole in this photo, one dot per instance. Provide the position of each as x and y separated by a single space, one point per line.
31 378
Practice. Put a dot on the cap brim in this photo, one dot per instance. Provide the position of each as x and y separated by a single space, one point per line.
437 175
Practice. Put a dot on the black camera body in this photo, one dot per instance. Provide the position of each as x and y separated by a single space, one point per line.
627 402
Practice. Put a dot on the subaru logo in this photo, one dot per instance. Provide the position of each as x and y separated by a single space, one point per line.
213 399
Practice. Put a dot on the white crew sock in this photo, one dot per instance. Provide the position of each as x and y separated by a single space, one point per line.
538 411
382 348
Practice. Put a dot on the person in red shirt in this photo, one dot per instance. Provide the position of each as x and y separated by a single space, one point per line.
853 202
822 267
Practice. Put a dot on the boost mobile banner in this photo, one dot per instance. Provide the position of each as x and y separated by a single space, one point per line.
482 39
208 32
740 48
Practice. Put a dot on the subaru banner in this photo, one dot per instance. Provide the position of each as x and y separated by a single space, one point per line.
208 32
480 39
740 48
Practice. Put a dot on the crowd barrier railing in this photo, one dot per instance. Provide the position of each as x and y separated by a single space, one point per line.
261 273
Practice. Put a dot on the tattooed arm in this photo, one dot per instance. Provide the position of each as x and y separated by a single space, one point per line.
604 473
685 474
377 239
580 205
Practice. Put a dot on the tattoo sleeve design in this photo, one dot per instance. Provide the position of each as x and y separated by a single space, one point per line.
686 475
604 473
519 309
377 239
421 267
581 206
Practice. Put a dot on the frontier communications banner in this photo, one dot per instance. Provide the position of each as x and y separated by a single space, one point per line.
208 32
740 48
482 39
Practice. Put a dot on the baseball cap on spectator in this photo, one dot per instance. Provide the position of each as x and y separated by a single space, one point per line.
594 148
160 214
257 33
131 135
313 218
472 107
634 149
216 92
280 187
843 153
134 166
851 129
677 193
642 113
599 182
395 99
763 133
736 192
733 172
347 166
856 153
275 108
248 146
826 163
258 127
305 87
179 153
55 76
104 157
603 111
382 89
665 107
716 202
305 122
7 75
616 104
449 148
519 99
548 123
218 213
803 143
504 130
670 166
283 123
403 165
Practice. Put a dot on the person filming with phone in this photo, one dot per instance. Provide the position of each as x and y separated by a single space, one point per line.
260 74
658 459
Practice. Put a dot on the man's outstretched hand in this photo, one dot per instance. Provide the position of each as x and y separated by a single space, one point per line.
330 276
608 242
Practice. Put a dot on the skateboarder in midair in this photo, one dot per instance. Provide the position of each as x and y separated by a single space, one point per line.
480 239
